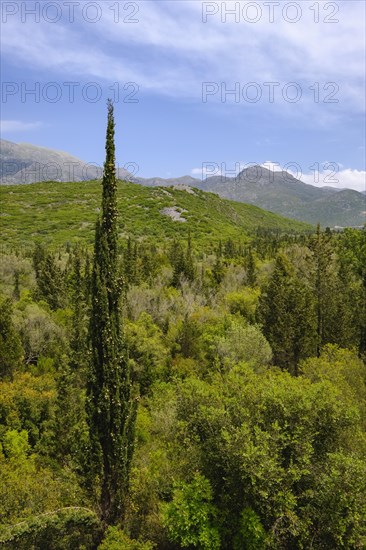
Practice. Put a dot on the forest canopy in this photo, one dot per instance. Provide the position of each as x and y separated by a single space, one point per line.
183 393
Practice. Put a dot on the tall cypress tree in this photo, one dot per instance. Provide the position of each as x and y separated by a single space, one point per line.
111 410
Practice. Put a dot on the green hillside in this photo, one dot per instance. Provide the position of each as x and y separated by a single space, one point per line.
56 213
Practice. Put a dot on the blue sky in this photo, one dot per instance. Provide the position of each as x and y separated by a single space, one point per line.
296 70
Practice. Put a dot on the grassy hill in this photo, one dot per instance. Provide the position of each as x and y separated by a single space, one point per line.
56 213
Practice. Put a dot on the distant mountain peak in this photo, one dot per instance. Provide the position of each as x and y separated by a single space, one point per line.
278 192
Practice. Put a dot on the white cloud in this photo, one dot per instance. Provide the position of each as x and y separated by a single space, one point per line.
171 51
207 170
337 177
271 165
10 126
196 171
343 179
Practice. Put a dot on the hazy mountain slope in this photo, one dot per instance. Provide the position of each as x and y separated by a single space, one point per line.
56 214
22 163
183 180
280 192
341 208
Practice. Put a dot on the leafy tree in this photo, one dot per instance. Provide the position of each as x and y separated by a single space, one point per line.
244 343
27 403
338 508
262 441
28 488
69 427
115 539
190 517
244 301
62 529
40 333
111 410
147 353
251 534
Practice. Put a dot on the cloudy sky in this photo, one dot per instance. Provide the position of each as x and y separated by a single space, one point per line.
194 83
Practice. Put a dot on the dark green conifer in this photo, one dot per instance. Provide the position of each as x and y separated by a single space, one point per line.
11 351
189 270
177 260
49 278
286 310
322 250
251 268
111 411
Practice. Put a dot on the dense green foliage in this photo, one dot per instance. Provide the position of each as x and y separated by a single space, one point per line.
57 213
252 416
234 368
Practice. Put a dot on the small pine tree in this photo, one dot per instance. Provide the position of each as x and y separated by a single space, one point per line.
322 249
39 256
49 278
230 249
218 270
11 351
286 310
189 271
251 268
177 260
16 291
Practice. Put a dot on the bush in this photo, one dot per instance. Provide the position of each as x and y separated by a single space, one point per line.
190 517
116 539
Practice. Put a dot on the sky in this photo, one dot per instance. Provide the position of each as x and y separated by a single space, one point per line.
200 88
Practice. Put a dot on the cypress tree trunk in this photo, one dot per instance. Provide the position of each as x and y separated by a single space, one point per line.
110 409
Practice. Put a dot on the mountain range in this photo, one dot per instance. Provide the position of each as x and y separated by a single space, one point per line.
277 192
25 163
